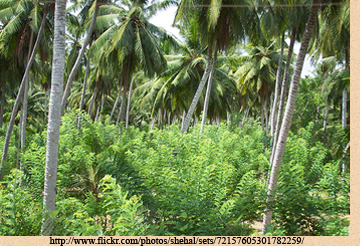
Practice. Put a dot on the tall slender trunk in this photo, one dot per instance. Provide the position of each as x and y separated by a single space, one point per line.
268 129
93 98
159 118
45 106
283 93
22 130
97 111
76 66
24 104
285 127
3 97
169 120
183 119
84 90
198 92
277 85
344 107
126 75
116 102
102 106
87 71
266 118
318 105
326 113
245 116
128 104
152 123
208 92
20 93
52 143
262 115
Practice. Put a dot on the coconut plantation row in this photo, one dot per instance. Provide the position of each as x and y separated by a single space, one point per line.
110 125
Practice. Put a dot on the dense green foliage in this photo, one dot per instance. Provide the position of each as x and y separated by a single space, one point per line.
166 183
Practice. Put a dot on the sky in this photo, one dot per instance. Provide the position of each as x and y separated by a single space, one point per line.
165 19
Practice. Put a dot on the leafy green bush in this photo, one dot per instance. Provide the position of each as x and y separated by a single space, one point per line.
167 183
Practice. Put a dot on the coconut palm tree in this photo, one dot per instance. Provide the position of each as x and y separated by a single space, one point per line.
52 145
258 71
74 70
285 126
218 27
131 43
20 92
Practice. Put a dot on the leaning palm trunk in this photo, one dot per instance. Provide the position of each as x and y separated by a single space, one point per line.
84 90
128 104
208 91
283 94
318 105
277 83
343 120
122 107
116 102
45 105
91 104
183 119
76 66
344 107
326 114
262 114
285 126
52 143
266 118
25 101
245 116
20 93
24 109
2 106
196 98
87 71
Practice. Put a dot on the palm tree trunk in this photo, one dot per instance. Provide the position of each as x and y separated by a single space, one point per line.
128 104
52 143
93 98
98 110
20 93
3 98
101 107
318 105
344 108
87 71
245 116
268 129
266 118
126 74
183 119
76 66
208 92
84 90
24 104
22 130
116 102
283 93
152 123
326 113
198 92
285 127
262 114
45 106
277 85
228 116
